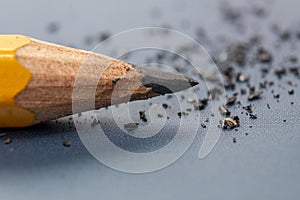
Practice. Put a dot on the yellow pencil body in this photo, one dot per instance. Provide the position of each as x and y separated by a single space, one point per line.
13 79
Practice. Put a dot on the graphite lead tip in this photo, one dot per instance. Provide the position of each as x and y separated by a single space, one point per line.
163 82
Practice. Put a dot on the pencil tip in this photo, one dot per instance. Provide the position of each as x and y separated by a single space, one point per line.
163 82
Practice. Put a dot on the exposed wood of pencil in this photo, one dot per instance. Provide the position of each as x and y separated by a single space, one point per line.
54 71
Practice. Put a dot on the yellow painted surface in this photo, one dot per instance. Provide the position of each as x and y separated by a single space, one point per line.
13 79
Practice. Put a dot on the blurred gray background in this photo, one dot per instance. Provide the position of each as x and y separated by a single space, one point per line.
262 165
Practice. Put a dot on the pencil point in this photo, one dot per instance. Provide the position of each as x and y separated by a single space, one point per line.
163 82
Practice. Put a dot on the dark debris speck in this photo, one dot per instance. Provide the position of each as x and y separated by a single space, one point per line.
264 56
180 114
254 95
8 141
224 110
66 143
103 36
248 108
280 72
199 106
165 106
252 116
3 134
131 126
231 100
53 27
159 115
291 92
230 122
243 91
143 116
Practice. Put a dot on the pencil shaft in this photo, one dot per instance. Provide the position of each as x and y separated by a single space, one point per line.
56 77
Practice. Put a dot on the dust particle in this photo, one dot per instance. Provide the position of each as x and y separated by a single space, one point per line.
254 95
199 106
131 126
103 36
263 56
165 106
53 27
180 114
231 100
7 141
230 122
143 116
66 143
241 78
234 140
2 134
224 110
291 92
253 116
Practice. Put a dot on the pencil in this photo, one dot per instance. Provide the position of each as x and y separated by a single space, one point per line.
37 81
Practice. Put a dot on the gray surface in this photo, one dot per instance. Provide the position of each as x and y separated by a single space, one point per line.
263 165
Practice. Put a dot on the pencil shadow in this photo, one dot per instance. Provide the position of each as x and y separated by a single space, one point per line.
42 146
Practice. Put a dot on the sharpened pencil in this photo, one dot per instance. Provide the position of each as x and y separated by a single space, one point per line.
37 81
